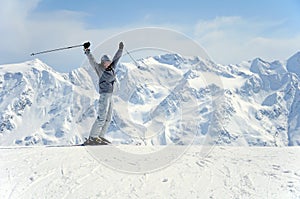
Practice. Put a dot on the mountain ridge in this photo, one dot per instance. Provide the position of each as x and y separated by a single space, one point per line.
255 103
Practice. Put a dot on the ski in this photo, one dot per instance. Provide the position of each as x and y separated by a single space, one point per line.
39 146
65 145
53 146
96 141
102 142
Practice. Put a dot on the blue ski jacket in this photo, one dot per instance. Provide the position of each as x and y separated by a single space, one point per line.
106 77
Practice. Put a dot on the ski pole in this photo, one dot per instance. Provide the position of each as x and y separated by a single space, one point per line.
131 57
86 45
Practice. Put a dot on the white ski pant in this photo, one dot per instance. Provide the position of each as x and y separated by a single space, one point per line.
104 114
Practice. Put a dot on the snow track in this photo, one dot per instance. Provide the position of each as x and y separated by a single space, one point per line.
226 172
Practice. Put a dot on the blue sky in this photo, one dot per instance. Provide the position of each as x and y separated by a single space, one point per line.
230 31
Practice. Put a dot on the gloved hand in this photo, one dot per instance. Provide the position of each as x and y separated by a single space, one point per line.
121 45
86 45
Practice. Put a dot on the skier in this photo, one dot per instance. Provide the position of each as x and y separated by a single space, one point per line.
106 74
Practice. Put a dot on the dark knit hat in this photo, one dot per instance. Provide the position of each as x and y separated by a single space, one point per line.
105 58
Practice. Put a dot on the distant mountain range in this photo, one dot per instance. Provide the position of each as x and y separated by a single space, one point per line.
165 99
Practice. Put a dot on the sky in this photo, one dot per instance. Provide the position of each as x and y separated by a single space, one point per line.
230 31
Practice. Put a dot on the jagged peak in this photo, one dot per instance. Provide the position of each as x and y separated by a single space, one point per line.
260 61
293 64
26 66
40 65
169 58
297 54
259 66
35 61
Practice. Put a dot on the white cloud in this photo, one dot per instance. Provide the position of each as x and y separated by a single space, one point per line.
234 39
226 39
29 31
13 27
24 31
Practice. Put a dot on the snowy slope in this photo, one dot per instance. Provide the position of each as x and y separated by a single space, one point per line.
225 172
165 99
41 106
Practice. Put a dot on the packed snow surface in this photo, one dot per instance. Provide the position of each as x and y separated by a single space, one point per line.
219 172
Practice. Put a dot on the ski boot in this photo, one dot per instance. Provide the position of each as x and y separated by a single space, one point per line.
96 141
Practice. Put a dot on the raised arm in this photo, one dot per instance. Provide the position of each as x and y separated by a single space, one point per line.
93 62
118 55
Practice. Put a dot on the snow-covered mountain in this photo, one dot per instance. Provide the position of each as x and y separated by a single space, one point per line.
40 106
163 99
